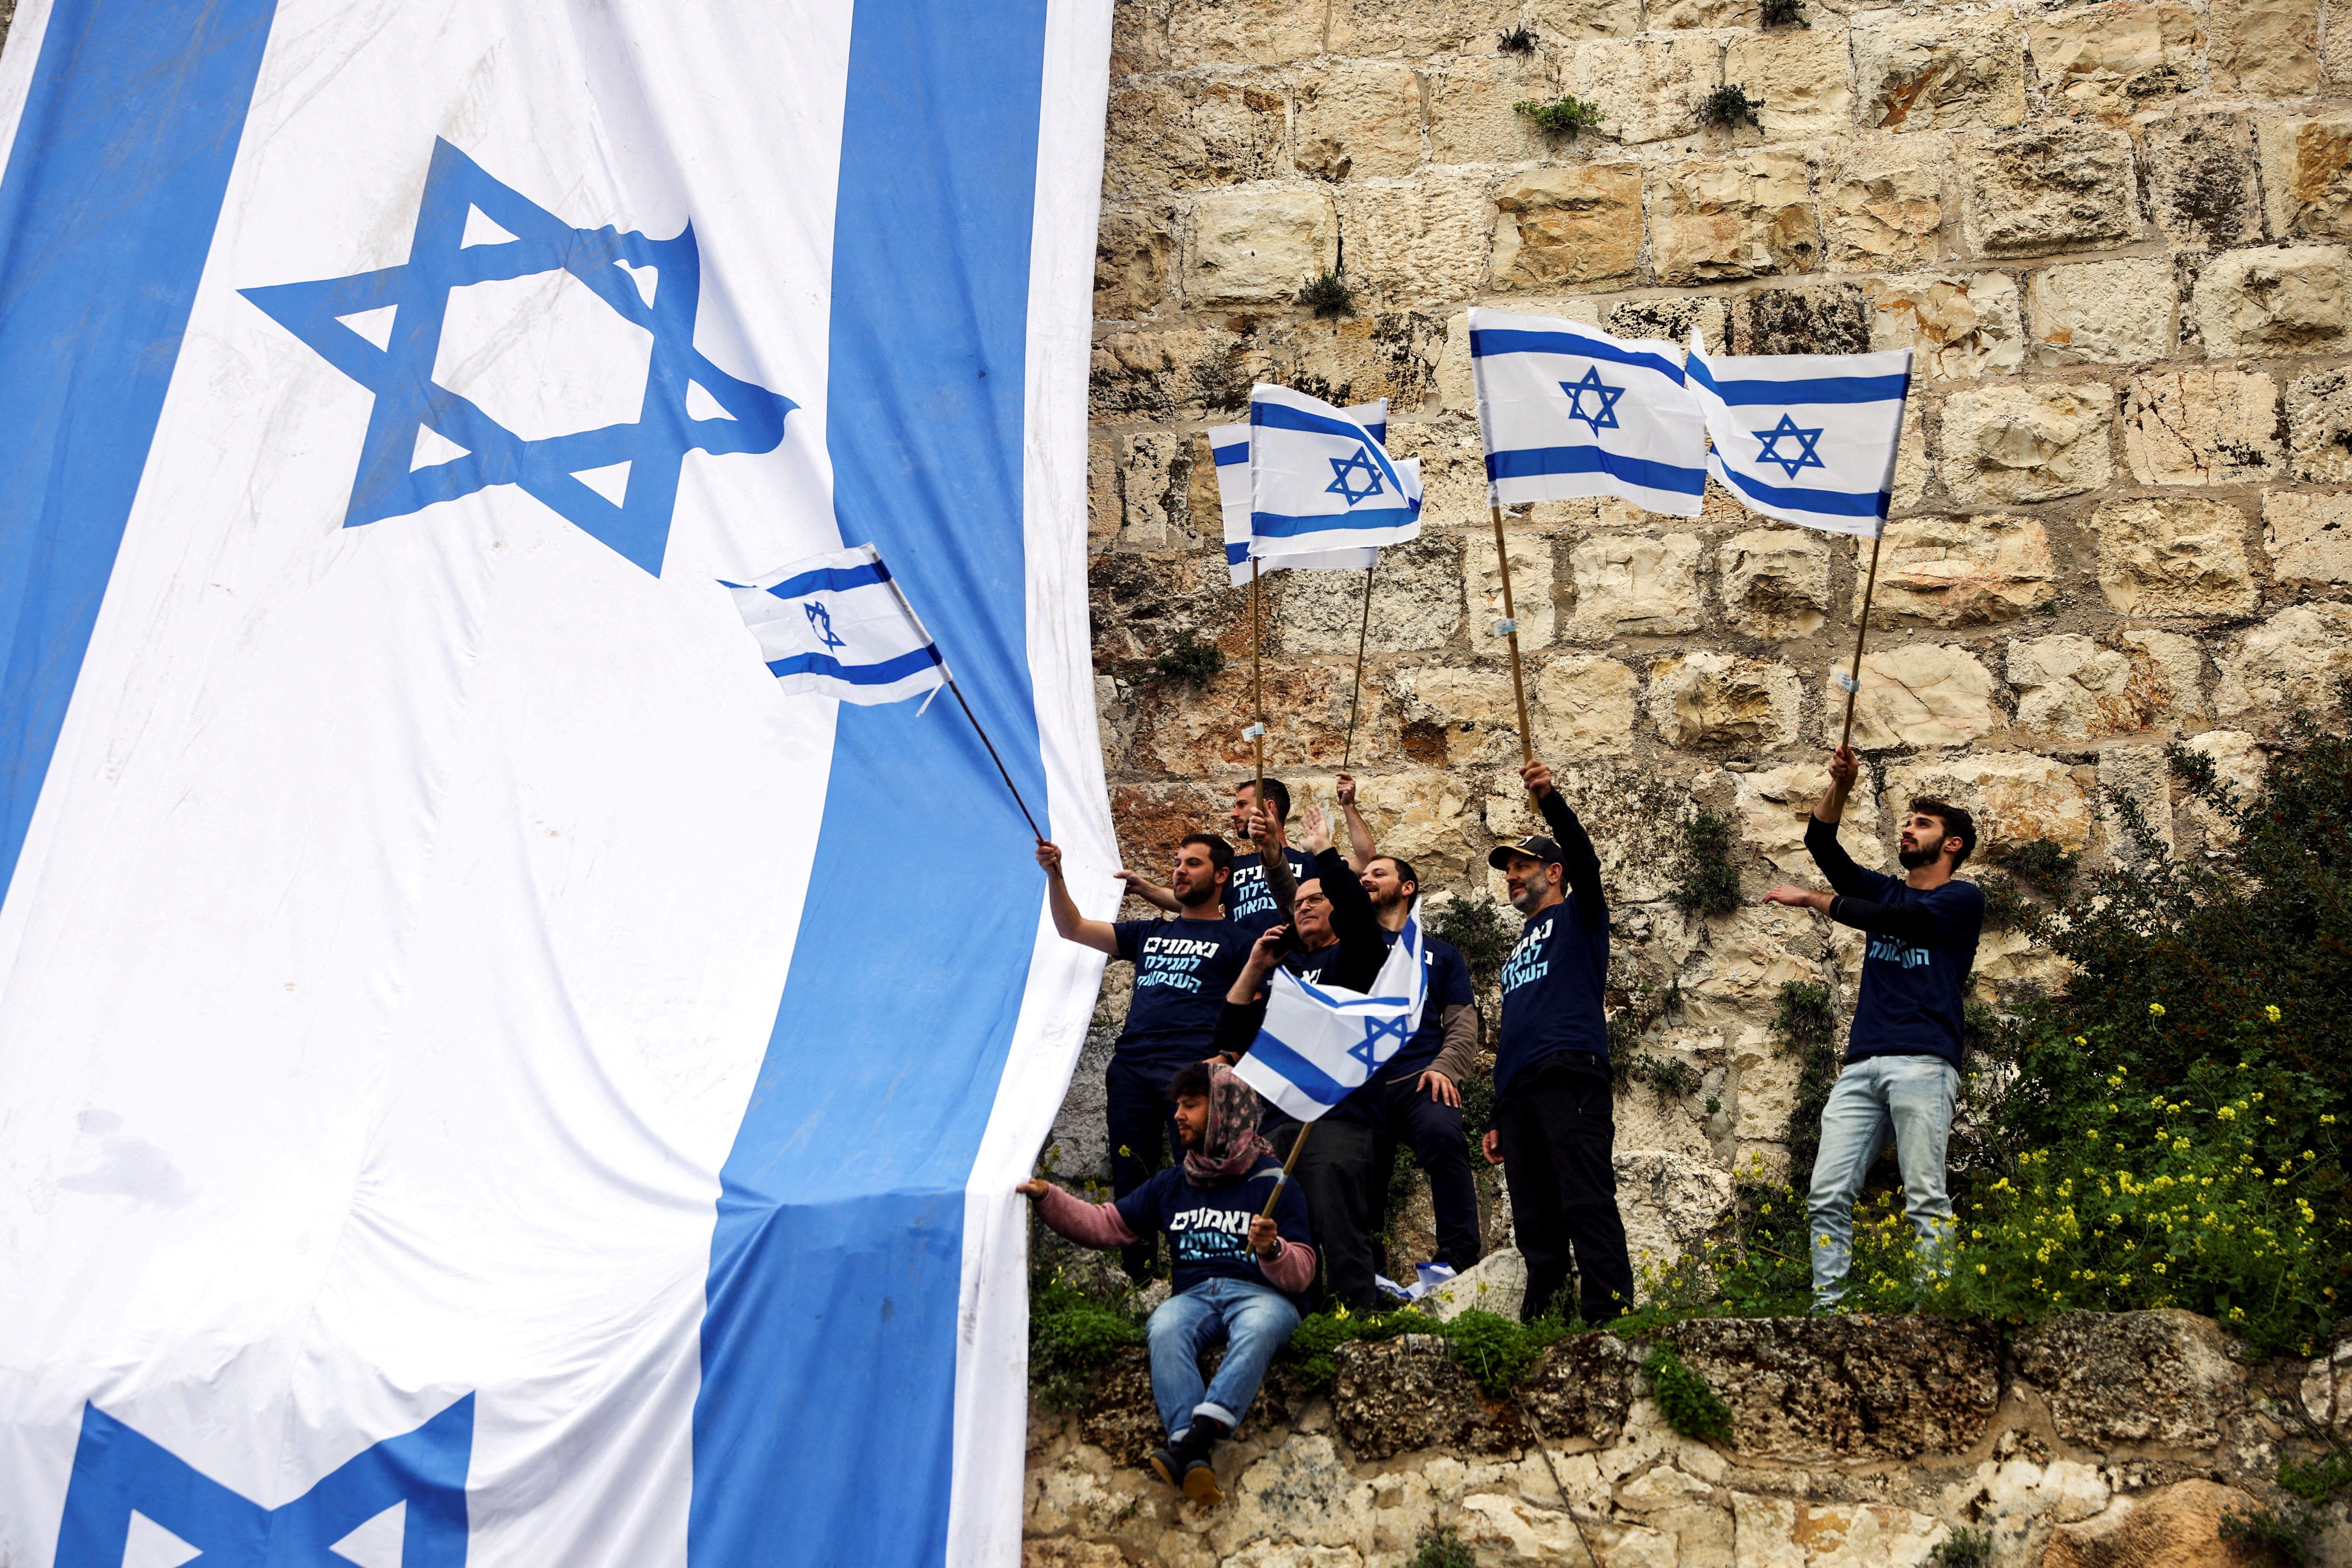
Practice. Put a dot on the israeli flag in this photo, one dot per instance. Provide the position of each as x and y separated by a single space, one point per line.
469 1096
1230 445
837 624
1320 481
1321 1043
1569 411
1807 438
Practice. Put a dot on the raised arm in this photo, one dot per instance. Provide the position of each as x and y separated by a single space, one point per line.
1836 867
1361 850
1279 880
1068 922
1577 855
1088 1225
1142 887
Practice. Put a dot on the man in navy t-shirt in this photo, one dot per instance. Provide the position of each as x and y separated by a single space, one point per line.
1254 900
1555 1128
1182 968
1902 1072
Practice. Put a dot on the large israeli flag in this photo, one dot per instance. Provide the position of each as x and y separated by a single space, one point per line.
1321 1043
1230 446
1807 438
1569 411
471 1095
1320 481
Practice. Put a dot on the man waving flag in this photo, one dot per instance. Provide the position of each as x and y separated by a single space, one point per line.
1322 480
1569 411
1807 438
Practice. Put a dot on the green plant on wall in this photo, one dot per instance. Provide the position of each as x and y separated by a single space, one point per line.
1569 117
1688 1401
1708 883
1190 660
1728 105
1328 295
1475 926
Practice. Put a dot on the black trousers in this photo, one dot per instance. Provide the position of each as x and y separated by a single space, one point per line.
1142 1120
1335 1174
1558 1129
1404 1114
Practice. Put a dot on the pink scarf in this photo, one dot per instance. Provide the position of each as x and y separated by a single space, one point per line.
1230 1147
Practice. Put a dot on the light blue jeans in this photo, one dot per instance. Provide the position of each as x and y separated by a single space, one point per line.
1255 1320
1910 1100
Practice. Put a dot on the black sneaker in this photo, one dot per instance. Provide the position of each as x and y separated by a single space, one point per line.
1166 1466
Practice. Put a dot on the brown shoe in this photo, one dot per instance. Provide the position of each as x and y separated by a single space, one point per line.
1201 1484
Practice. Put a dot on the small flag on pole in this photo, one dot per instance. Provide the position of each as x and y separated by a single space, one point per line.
1806 438
1320 481
837 624
1569 411
1321 1043
1230 445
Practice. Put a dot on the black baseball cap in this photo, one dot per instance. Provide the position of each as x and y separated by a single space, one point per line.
1534 845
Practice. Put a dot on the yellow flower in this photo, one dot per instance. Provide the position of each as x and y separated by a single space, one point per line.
2081 1041
2272 1013
2156 1009
1980 1267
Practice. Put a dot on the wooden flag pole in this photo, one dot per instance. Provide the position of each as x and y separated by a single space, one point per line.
1511 619
1356 695
1287 1166
995 758
1861 630
1258 683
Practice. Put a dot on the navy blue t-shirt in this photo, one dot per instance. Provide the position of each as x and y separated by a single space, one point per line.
1910 1001
1446 981
1182 970
1552 991
1208 1227
1249 902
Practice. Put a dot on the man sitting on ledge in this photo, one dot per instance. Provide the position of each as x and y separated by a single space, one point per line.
1238 1275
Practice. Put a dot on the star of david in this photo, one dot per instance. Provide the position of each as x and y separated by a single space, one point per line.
656 284
1807 440
1376 1029
1606 419
1345 471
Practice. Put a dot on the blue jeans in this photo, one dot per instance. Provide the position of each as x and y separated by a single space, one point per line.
1909 1100
1255 1320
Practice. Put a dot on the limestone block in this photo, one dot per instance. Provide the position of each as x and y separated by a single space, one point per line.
1358 118
1582 703
1713 700
1151 484
2241 764
1776 1533
1632 585
2309 537
1669 1202
1672 319
1768 1086
1416 602
2203 427
1530 556
1956 324
1135 254
2286 299
2103 312
1139 37
1750 954
2137 775
1279 1554
2174 557
1470 120
1471 711
2319 426
2179 1526
1883 206
1745 216
1453 470
2327 1391
1580 223
2162 1376
1844 1387
1774 805
1572 21
1632 811
1457 385
1060 1553
2015 796
1258 32
1957 572
1774 582
2264 48
1805 75
1423 28
1823 319
2291 661
1355 358
1185 374
2113 57
2075 689
1427 818
2201 185
1497 1283
1912 471
1258 246
1174 133
1423 243
2307 174
1940 72
1703 14
2006 444
1649 88
2169 668
1925 694
1302 1492
2062 187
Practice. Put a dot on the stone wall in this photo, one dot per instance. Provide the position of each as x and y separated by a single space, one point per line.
2086 1442
2116 234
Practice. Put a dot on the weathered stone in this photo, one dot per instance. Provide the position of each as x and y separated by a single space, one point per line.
2307 174
2309 538
1955 324
1356 359
1810 1388
1648 88
2029 192
2162 1377
2203 427
1581 704
2239 763
1427 818
1941 72
1149 488
1632 810
1530 557
1423 243
1302 1492
1913 470
1572 21
1142 605
2319 426
1184 375
1409 1393
1452 469
1774 582
1497 1283
1954 571
2077 689
1927 694
2201 185
1767 1095
1774 805
1631 585
1470 120
2280 301
1670 1202
1884 205
2170 668
1258 32
2327 1391
1714 701
1358 118
1258 246
1432 26
1805 75
2014 796
1744 216
2113 57
2179 1526
1135 252
1139 37
1776 1533
1471 713
2291 661
2006 444
1416 602
1581 224
1703 14
2263 48
2103 312
2139 775
1177 133
1750 954
1060 1553
2174 558
1672 320
1822 319
1583 1388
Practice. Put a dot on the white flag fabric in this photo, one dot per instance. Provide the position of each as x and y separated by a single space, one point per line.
469 1096
1567 410
1230 445
1321 1043
1807 438
1320 481
837 624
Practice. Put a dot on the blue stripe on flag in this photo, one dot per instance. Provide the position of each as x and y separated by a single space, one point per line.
1829 504
1531 462
1229 454
829 1344
883 674
110 199
1488 340
1804 389
1309 1078
1238 551
833 579
1277 525
1283 416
